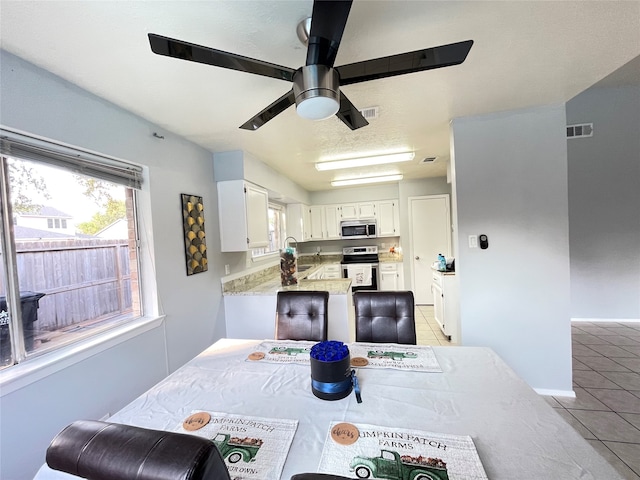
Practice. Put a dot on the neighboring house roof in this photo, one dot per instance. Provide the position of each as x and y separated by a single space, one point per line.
46 211
24 233
115 227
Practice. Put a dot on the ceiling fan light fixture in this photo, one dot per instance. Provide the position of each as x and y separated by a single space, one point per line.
363 180
365 161
316 91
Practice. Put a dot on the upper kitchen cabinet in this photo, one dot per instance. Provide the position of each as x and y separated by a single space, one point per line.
355 211
332 221
317 222
299 222
388 218
243 209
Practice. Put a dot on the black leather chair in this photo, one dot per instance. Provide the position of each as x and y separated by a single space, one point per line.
302 315
385 317
318 476
111 451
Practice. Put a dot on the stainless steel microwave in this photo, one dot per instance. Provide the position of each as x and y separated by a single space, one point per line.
358 229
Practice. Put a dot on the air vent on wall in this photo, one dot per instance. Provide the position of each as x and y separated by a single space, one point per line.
580 131
428 159
369 113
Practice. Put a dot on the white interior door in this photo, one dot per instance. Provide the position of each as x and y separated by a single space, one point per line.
430 223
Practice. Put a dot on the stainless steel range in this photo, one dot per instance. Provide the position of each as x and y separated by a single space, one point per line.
360 264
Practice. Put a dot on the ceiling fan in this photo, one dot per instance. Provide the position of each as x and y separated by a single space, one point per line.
316 86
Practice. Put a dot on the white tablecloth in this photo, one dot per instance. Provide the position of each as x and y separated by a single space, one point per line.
517 434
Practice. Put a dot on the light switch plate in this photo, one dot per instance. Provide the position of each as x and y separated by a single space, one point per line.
473 241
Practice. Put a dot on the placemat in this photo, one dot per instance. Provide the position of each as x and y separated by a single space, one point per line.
363 355
401 357
252 447
282 351
369 451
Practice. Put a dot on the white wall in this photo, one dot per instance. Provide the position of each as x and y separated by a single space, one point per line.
510 173
604 204
39 103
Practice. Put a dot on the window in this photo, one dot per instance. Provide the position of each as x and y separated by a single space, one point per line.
66 284
277 232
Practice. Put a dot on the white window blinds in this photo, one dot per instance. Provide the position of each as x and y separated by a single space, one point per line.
79 161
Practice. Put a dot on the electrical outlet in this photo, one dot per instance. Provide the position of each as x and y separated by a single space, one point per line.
227 270
473 241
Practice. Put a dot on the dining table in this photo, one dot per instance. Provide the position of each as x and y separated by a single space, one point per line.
471 393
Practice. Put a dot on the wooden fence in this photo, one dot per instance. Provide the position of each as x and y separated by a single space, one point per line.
82 279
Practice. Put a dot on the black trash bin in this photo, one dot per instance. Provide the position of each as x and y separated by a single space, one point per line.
29 303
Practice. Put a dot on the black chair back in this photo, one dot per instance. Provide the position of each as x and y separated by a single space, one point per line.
385 316
302 315
111 451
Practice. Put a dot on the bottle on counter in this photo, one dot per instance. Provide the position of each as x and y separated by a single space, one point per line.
442 263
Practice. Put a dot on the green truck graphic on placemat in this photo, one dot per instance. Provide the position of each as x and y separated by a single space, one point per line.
289 350
235 449
392 466
391 355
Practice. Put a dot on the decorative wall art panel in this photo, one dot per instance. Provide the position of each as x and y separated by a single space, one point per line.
195 245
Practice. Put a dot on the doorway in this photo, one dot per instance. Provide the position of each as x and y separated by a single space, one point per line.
430 233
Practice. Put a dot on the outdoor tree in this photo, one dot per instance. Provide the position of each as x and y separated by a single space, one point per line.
113 210
24 180
97 190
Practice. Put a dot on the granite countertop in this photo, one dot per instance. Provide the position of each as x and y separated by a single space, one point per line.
271 285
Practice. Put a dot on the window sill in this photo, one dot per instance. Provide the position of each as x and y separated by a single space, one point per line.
31 370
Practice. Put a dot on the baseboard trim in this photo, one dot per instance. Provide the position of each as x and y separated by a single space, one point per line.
618 320
555 393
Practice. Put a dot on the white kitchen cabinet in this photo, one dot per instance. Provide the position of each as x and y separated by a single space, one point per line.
332 222
298 221
367 210
388 218
445 303
243 211
317 222
355 211
391 276
331 271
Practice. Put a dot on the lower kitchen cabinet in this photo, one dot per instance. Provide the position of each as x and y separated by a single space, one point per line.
445 303
391 276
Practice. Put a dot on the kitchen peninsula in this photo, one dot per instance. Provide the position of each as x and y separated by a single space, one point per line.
250 303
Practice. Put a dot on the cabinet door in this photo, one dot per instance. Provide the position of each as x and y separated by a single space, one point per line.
438 306
298 221
332 220
388 280
306 225
316 223
257 204
367 210
388 221
349 211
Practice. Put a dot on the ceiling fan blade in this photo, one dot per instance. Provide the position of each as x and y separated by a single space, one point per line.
349 114
276 108
171 47
427 59
328 20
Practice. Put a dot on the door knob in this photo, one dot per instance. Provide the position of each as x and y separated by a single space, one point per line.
417 258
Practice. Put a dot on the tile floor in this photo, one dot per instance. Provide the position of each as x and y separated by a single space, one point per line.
427 330
606 379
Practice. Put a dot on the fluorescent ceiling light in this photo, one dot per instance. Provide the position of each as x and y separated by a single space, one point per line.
366 161
362 180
